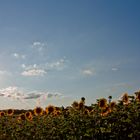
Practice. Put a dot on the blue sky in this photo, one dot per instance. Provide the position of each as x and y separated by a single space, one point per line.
55 52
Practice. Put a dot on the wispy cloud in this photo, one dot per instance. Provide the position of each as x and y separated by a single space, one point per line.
12 92
39 45
34 72
19 56
57 65
88 72
35 95
16 93
42 69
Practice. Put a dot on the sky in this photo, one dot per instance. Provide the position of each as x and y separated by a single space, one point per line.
57 51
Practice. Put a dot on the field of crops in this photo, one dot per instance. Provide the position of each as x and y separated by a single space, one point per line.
104 120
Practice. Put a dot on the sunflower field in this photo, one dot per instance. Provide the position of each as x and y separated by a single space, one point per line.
104 120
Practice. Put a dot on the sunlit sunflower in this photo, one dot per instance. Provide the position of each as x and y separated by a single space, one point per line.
22 116
10 112
106 111
86 112
2 114
125 98
56 113
75 105
57 108
104 114
137 95
38 111
112 105
81 105
102 103
18 119
50 109
28 116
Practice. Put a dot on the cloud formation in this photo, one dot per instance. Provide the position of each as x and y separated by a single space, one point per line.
42 69
16 93
38 45
34 72
88 72
12 92
57 65
19 56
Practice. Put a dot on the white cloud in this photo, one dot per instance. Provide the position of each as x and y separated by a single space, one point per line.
36 94
42 69
88 72
58 65
19 56
16 93
29 67
12 92
34 72
38 45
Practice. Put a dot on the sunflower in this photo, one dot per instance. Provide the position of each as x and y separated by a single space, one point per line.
2 114
50 109
112 105
102 103
81 105
28 116
22 116
75 104
56 113
86 112
137 95
125 98
10 112
38 111
106 111
18 119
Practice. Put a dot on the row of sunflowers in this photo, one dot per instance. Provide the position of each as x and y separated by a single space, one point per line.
104 120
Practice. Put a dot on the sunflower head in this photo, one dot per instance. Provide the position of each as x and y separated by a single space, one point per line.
10 112
2 114
102 103
38 111
28 116
22 116
81 105
137 95
125 98
75 104
86 112
51 109
56 113
57 108
106 111
112 105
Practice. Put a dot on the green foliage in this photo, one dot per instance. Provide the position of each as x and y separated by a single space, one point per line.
86 123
